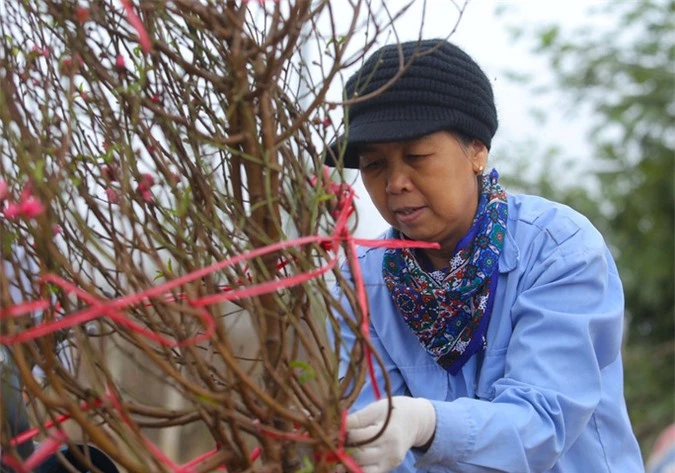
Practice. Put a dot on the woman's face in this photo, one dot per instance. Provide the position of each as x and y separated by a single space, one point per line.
425 188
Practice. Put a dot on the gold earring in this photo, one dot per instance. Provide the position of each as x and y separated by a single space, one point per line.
480 169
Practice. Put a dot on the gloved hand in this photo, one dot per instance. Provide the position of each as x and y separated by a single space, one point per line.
412 424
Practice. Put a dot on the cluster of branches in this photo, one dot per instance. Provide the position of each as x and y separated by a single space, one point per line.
142 143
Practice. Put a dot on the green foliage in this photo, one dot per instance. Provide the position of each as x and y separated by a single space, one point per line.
307 466
624 75
307 373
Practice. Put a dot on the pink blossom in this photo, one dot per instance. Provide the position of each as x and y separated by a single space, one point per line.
135 21
56 229
44 52
146 195
12 210
144 185
113 197
27 208
147 181
32 207
119 62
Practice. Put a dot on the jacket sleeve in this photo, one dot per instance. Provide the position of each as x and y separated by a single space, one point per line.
567 326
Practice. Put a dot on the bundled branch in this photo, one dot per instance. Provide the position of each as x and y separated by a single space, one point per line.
161 178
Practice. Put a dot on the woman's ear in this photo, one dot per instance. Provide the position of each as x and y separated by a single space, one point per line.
478 154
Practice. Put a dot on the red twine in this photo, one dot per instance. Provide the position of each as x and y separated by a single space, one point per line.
135 21
114 310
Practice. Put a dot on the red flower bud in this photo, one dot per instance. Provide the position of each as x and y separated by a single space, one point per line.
119 63
82 14
146 195
4 190
147 180
113 197
44 52
71 65
109 173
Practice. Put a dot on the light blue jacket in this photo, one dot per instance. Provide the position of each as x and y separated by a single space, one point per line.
547 394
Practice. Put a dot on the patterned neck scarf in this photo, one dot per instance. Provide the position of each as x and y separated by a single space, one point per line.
448 310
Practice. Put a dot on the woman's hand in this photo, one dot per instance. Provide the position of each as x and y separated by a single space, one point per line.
412 424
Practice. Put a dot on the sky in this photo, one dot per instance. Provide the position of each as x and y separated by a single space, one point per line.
483 32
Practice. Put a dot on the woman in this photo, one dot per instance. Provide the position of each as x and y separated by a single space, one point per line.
503 345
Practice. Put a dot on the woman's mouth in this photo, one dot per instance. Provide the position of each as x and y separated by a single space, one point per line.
407 215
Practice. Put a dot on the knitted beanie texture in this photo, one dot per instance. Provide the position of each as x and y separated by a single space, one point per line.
441 88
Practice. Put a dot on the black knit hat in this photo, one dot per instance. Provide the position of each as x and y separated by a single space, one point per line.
442 89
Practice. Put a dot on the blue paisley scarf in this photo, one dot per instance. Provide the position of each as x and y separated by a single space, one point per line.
448 310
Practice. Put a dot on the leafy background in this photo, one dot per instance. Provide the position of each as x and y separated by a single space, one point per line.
624 76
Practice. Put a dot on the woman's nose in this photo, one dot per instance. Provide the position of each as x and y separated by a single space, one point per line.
398 179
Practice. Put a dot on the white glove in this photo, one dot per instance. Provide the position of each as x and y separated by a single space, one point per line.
412 424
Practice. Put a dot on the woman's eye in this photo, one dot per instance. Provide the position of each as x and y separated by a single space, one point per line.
372 164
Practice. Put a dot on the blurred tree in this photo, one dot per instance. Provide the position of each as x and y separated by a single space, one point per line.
623 75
